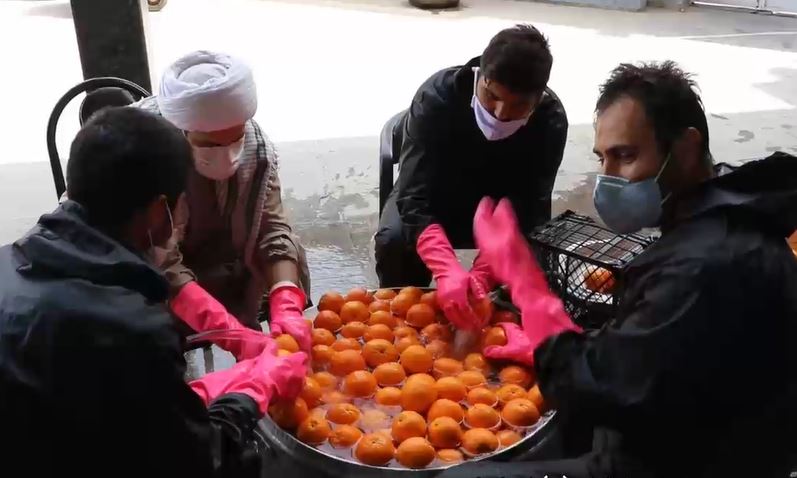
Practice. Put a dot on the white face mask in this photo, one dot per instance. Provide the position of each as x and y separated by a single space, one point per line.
156 255
492 128
218 162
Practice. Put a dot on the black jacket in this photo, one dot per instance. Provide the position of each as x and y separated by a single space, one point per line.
697 376
447 165
91 367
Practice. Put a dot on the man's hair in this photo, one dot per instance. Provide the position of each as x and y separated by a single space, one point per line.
669 96
518 58
122 160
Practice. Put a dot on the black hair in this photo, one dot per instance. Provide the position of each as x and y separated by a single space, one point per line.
122 160
518 58
669 96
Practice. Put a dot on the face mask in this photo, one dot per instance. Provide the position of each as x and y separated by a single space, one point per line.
492 128
627 207
156 255
218 162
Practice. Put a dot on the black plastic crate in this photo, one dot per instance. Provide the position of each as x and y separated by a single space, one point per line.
585 264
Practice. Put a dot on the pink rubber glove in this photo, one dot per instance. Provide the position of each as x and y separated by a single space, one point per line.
508 254
286 304
262 378
197 308
481 278
453 282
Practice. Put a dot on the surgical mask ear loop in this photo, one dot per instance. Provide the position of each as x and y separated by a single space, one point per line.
661 171
171 227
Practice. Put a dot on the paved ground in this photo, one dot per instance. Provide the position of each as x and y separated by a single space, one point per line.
331 72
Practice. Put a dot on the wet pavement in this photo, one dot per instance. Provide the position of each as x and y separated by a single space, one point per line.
330 73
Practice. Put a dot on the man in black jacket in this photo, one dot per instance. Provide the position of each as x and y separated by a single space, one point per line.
488 128
697 374
91 365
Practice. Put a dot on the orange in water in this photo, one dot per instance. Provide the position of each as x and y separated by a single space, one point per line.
450 456
379 351
358 294
437 331
476 361
353 330
482 416
389 373
283 353
471 378
328 319
451 388
343 413
379 305
510 392
408 424
388 396
520 412
445 408
384 318
385 294
438 348
323 337
517 375
508 437
331 301
478 441
360 383
420 315
405 331
445 432
286 342
415 453
501 316
354 312
346 362
401 304
374 449
325 379
447 367
373 420
289 414
418 393
346 344
494 336
331 397
313 430
311 392
413 292
536 397
322 354
482 395
404 342
430 299
416 359
378 331
344 436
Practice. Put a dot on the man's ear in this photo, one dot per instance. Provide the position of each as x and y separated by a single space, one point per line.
689 150
158 221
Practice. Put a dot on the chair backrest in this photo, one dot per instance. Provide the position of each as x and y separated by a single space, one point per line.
389 154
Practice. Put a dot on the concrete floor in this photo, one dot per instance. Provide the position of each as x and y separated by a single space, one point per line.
331 72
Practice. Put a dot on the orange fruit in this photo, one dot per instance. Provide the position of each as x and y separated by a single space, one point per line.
328 319
322 354
598 279
286 342
331 397
283 353
385 294
313 430
413 292
354 312
471 378
360 383
437 331
373 420
383 317
323 337
494 336
478 441
536 397
388 396
476 361
509 392
508 437
438 348
517 375
326 380
404 342
451 388
415 453
344 436
379 351
447 367
289 414
353 330
445 432
331 301
378 331
408 424
311 392
405 331
379 305
483 309
343 413
482 395
504 316
401 304
420 315
358 294
418 393
520 412
389 373
482 416
416 359
430 299
346 343
450 456
346 362
374 449
444 407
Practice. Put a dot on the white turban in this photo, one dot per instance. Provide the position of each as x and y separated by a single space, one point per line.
205 91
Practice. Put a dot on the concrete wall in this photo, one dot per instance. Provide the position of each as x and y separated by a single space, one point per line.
610 4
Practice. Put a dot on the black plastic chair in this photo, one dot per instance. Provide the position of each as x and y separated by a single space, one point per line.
101 93
389 150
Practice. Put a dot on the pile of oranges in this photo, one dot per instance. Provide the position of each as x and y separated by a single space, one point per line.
386 389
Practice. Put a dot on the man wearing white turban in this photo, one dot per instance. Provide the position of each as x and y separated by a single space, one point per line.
232 237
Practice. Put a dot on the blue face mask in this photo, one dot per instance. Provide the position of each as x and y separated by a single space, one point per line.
627 207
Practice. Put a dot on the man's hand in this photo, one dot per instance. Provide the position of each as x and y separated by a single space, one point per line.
286 303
